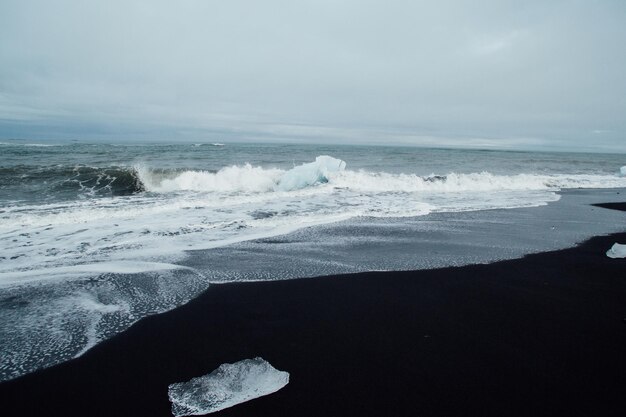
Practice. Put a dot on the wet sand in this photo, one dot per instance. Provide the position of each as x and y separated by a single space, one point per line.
544 335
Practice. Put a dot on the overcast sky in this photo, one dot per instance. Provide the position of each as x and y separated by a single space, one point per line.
536 74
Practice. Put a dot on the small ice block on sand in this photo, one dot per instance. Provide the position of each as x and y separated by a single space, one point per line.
617 251
228 385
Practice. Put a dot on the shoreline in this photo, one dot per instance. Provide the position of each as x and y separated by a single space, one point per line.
433 241
539 335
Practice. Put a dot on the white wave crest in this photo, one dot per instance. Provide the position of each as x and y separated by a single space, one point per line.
331 171
246 178
31 145
466 183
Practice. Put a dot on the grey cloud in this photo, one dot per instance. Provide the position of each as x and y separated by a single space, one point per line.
508 73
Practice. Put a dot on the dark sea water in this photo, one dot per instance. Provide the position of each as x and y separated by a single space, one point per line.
32 172
95 236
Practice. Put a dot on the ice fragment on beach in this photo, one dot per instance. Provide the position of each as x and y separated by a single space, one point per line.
228 385
617 251
312 173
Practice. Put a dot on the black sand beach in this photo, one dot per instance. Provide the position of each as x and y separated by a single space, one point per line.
544 335
612 206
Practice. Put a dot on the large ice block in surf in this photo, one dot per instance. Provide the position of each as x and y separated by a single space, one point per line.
228 385
622 171
312 173
617 251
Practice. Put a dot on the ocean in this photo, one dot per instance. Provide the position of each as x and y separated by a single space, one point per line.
95 236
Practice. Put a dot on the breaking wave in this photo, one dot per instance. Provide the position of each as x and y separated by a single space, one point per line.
246 178
115 181
254 179
72 181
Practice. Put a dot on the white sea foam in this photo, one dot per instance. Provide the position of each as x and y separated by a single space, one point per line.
48 322
228 385
244 178
231 179
247 178
30 276
199 210
617 251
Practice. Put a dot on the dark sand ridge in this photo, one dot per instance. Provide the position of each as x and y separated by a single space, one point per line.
613 206
544 335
